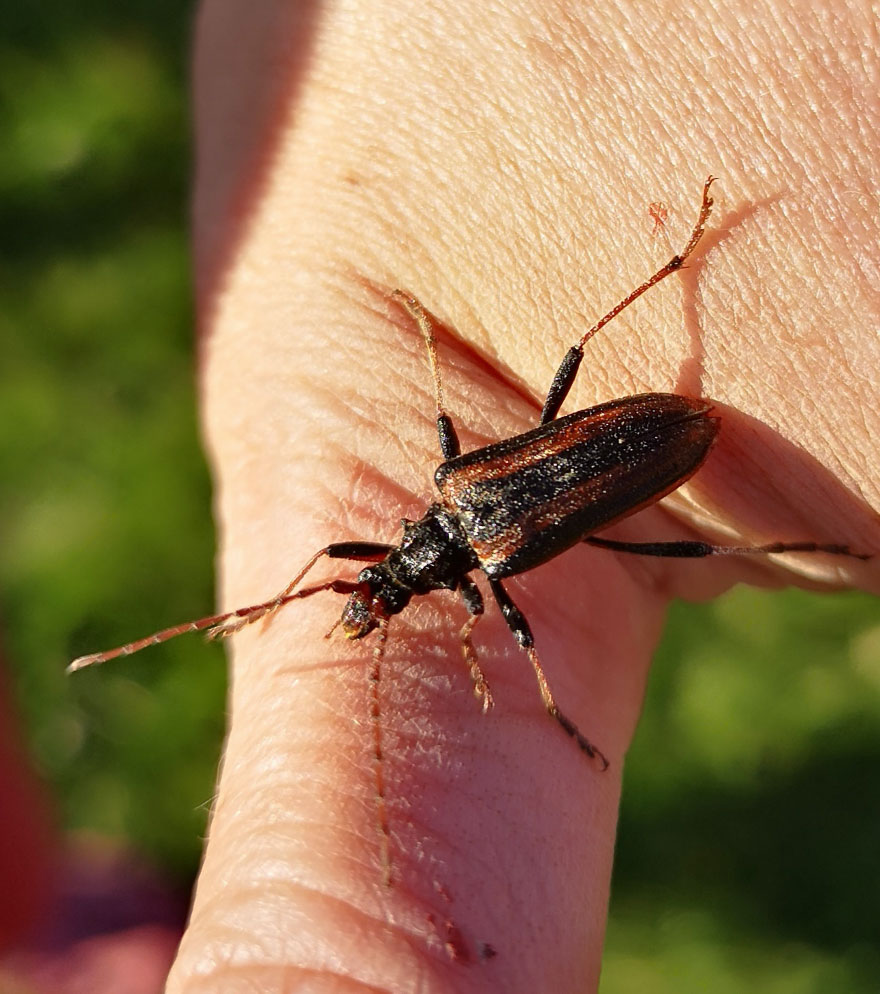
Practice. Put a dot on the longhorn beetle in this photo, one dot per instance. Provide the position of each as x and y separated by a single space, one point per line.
511 506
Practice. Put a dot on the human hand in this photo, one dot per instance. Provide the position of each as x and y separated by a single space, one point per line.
498 164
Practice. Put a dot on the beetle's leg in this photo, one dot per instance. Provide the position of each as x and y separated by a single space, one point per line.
699 550
517 623
449 445
568 368
473 601
221 625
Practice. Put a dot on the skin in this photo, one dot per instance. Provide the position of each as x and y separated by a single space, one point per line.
498 162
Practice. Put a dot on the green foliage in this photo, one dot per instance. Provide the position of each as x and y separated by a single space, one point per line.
105 519
747 856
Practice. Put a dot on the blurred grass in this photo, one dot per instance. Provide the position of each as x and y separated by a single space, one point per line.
105 523
748 853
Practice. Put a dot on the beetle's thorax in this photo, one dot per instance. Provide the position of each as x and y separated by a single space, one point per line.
433 555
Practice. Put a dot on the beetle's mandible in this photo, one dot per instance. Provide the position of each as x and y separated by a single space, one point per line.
513 505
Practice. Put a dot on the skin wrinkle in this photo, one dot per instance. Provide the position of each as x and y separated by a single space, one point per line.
273 819
285 979
286 891
466 383
808 293
348 407
426 237
257 866
262 891
322 959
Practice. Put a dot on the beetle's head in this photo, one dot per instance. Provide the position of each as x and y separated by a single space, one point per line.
376 597
360 614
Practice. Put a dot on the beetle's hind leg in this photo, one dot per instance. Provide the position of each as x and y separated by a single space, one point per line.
517 623
700 550
449 444
473 601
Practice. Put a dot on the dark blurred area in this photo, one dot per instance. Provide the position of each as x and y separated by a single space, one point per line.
749 855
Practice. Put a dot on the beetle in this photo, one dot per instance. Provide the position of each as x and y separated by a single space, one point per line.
510 506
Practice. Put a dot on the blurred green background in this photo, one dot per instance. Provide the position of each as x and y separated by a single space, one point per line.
749 854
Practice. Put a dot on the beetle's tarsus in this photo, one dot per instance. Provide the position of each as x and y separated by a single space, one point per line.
571 728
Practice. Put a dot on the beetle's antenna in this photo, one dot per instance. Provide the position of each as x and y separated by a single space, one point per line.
248 615
375 675
674 264
415 310
449 444
157 638
218 625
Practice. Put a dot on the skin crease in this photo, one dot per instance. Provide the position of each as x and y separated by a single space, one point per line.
497 161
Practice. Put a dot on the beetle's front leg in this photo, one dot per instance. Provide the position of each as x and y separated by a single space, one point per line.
473 601
517 623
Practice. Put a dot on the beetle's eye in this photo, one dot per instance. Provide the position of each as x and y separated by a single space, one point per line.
357 617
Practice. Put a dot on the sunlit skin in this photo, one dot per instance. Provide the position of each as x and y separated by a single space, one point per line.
499 162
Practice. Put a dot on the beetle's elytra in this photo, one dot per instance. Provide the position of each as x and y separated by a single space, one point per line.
522 501
513 505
